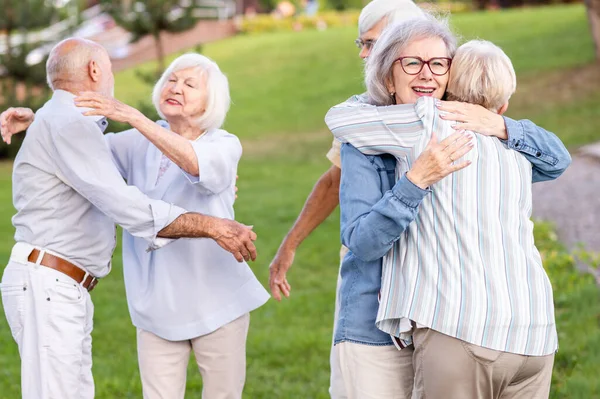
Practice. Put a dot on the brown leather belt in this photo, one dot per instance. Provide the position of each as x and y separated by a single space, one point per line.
65 267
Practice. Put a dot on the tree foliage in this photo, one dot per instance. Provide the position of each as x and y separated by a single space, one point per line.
152 17
23 83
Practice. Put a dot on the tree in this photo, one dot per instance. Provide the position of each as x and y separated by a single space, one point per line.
23 78
151 17
593 10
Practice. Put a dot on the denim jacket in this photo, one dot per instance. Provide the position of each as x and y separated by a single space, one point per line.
375 210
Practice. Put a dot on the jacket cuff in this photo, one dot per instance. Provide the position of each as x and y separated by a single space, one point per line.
516 134
408 193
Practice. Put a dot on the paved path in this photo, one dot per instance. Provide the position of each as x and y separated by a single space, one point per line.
572 202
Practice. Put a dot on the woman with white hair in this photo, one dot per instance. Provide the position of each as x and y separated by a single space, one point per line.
191 296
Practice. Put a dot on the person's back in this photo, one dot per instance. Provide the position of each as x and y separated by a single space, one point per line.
39 179
469 263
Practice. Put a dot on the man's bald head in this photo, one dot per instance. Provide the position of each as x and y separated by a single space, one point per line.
78 64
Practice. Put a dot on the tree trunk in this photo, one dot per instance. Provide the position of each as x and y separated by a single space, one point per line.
160 54
593 10
481 4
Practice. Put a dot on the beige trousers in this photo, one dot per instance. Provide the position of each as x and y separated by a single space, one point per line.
375 372
220 355
446 367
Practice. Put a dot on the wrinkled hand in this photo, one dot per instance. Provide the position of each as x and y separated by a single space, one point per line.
437 160
234 237
277 273
474 118
14 120
105 106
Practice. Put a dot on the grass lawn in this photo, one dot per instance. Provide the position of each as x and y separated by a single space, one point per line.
282 85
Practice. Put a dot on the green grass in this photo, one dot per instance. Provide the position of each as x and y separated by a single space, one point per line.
282 85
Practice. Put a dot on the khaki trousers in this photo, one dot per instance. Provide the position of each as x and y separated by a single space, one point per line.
448 368
375 372
220 355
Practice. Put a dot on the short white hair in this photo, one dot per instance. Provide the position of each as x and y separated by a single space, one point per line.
379 66
71 64
218 99
393 11
482 74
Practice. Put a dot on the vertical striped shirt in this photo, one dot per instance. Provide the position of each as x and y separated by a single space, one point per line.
468 266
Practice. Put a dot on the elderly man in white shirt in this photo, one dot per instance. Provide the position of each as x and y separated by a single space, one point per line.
69 195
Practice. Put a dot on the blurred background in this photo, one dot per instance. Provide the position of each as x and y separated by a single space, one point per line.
288 62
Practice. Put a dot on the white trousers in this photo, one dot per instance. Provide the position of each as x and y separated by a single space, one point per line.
337 390
366 371
50 316
375 372
220 355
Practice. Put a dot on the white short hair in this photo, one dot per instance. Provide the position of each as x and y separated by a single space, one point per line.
218 99
395 38
393 11
482 74
72 65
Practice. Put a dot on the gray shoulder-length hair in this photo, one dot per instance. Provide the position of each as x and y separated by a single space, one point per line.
218 99
395 38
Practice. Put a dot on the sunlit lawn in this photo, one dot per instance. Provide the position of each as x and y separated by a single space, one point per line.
282 85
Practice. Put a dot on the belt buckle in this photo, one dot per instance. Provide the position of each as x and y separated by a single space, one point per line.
91 284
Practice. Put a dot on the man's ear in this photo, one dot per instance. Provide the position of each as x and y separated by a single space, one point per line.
94 71
503 108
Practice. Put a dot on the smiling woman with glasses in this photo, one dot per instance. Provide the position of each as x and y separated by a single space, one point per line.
414 65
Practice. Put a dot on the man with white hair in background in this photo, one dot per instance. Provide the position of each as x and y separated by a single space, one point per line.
69 195
324 198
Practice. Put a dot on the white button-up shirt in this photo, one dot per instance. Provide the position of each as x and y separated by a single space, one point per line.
69 195
191 287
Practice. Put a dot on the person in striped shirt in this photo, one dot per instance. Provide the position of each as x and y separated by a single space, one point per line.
465 278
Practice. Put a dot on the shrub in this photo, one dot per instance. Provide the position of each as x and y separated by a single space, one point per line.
267 23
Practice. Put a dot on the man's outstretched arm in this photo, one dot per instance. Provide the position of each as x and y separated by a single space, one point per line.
321 202
232 236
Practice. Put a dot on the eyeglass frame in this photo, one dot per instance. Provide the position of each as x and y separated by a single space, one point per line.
360 43
424 63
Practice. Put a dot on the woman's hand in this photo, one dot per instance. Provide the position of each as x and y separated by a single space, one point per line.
106 106
437 160
474 118
14 120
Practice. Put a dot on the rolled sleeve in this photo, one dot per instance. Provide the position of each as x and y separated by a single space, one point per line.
408 193
163 214
334 153
218 158
520 142
543 149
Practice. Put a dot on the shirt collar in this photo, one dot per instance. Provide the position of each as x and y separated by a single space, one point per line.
165 124
65 97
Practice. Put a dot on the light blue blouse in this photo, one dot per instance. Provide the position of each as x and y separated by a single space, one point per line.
190 287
